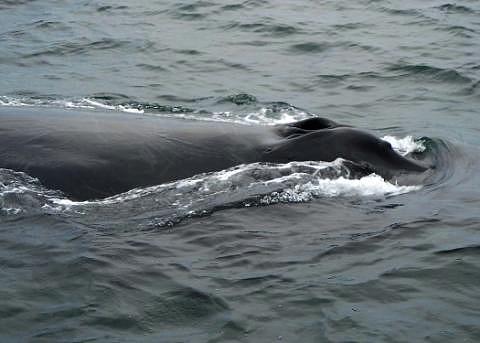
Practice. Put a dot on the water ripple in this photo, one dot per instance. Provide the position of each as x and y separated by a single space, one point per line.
78 48
435 73
454 8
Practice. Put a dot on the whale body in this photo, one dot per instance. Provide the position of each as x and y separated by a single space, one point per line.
91 155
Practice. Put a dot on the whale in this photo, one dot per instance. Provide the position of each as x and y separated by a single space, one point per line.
91 154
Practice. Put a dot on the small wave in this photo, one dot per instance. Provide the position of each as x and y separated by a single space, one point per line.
62 49
247 4
273 30
151 67
7 4
464 250
21 193
337 79
104 102
232 7
459 30
42 102
84 103
310 47
230 64
239 99
401 12
360 88
194 11
198 5
350 26
455 8
189 52
109 9
280 30
435 73
50 25
270 113
472 89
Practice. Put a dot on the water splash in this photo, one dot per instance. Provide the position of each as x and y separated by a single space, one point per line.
256 184
405 145
270 113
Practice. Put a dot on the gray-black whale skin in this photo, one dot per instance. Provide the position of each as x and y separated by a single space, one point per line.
91 155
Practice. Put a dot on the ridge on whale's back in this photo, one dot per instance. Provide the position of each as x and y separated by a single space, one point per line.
114 153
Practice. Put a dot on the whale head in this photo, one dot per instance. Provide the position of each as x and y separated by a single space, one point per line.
358 146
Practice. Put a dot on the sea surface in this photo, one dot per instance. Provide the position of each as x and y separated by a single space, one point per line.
293 252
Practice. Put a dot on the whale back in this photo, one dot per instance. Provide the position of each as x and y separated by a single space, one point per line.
305 126
91 155
94 155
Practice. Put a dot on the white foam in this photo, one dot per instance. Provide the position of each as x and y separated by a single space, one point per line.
187 183
404 145
290 182
98 104
13 190
265 116
11 211
85 103
69 203
130 109
72 104
368 186
8 101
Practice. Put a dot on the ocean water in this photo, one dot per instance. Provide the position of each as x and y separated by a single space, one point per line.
260 252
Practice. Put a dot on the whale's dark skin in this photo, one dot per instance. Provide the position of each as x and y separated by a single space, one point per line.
92 155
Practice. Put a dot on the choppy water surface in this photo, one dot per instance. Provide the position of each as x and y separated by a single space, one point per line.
303 252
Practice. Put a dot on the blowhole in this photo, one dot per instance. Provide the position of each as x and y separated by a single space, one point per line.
313 124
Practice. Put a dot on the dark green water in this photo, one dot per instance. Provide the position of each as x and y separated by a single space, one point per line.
234 257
